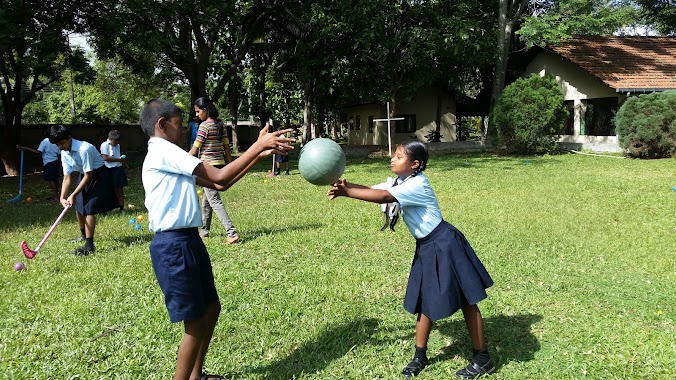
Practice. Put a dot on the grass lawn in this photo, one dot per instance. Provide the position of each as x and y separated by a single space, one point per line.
582 250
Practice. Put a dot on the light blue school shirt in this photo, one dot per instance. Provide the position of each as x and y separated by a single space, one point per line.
112 151
171 195
419 205
82 157
50 152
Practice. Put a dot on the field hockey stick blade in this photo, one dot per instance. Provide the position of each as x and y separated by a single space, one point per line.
29 253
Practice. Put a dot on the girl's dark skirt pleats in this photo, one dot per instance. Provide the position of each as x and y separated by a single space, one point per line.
446 274
99 194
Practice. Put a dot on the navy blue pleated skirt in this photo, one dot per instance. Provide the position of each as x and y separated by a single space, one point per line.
99 194
445 275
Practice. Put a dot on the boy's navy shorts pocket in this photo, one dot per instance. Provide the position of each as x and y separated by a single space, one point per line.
183 270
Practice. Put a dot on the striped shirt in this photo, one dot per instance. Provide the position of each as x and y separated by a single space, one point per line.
211 149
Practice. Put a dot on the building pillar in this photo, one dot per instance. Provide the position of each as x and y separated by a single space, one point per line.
580 108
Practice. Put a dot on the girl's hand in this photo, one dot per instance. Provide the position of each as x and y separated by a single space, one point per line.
71 200
339 189
65 203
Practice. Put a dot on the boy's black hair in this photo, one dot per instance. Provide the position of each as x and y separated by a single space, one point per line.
153 111
58 133
415 150
114 135
206 104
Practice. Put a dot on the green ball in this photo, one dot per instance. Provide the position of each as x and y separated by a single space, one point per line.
321 162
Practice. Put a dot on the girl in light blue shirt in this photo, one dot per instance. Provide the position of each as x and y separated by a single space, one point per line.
446 275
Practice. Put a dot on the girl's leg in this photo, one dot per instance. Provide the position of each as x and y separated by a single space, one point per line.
218 207
481 362
206 212
423 326
475 326
90 225
213 311
422 330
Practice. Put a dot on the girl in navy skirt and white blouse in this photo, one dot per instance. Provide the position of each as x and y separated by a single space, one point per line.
446 275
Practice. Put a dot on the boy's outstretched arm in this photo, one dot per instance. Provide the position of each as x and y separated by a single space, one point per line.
267 143
345 189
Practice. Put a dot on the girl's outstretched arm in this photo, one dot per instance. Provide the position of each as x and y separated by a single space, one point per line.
364 193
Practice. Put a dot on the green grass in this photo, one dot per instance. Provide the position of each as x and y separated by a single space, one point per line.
582 251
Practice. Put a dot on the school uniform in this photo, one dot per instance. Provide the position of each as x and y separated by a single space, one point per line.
116 170
180 260
50 160
99 195
446 273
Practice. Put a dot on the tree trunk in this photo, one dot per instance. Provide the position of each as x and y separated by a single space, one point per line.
234 112
437 119
287 109
509 12
10 139
307 113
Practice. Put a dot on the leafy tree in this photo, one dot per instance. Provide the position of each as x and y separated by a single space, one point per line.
111 95
556 21
34 52
662 13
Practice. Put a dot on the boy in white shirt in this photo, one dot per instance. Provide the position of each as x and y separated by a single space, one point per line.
50 164
180 260
110 152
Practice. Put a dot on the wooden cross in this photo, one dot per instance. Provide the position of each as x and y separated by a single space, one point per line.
389 140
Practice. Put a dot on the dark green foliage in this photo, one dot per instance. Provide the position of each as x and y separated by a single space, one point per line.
646 125
527 116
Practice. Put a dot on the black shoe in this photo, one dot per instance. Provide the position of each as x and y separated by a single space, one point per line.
76 239
473 370
83 251
286 172
414 367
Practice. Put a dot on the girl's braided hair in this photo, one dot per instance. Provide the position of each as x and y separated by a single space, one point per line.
415 150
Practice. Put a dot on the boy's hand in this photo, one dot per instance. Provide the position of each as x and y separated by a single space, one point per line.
339 189
65 202
273 142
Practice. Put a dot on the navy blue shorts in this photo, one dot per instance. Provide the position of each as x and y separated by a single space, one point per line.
51 171
183 270
281 158
119 177
99 194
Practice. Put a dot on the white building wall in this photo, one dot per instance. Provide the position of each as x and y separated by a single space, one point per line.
577 85
423 106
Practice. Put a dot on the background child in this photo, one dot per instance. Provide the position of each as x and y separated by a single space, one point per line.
279 160
180 259
446 275
93 193
50 164
212 146
110 152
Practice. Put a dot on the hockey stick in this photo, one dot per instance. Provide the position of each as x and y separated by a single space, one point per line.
29 253
18 197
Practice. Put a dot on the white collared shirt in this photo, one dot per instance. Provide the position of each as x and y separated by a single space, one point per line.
169 183
82 157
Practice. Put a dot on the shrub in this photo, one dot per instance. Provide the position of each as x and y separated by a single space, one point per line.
527 116
646 125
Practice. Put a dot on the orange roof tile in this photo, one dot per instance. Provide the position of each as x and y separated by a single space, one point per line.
627 64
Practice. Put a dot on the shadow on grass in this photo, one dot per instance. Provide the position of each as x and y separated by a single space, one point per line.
317 354
137 238
508 337
258 232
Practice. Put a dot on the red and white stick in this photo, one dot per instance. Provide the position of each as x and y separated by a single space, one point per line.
29 253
